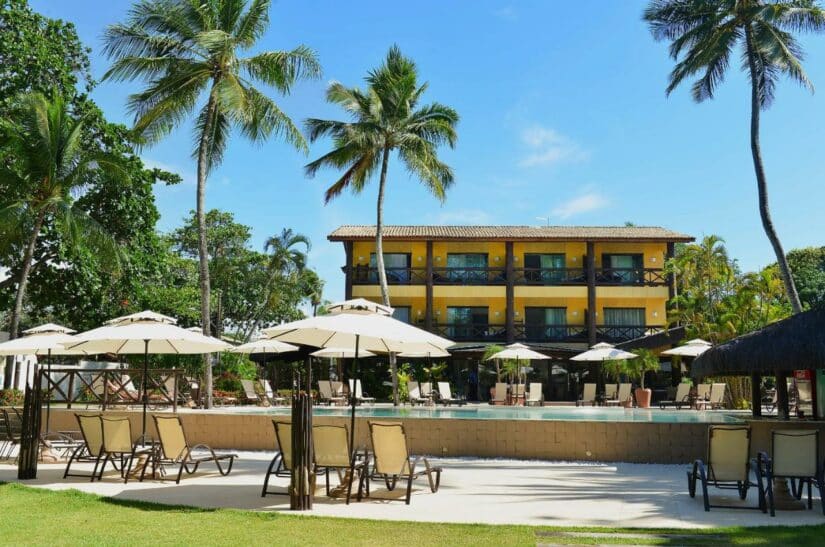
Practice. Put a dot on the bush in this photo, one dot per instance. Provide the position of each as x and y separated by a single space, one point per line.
228 381
11 397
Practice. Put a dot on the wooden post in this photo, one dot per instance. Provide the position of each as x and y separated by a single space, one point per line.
671 279
348 271
756 394
590 268
70 393
782 410
428 310
30 431
302 481
510 310
174 390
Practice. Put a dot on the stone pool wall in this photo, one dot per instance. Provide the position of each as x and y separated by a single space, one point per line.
519 439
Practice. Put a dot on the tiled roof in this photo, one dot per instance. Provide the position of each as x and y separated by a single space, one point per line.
511 233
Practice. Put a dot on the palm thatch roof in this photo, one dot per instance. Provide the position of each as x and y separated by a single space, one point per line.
795 343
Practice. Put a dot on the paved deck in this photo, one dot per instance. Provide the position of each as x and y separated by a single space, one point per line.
472 490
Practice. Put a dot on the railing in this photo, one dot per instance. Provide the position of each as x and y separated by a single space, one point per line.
630 276
114 387
614 333
550 333
549 276
473 333
469 276
368 275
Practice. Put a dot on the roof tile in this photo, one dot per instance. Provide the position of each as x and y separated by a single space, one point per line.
515 233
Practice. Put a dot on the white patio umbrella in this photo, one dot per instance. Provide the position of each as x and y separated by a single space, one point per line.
519 352
362 325
145 332
341 353
48 340
603 352
691 348
264 346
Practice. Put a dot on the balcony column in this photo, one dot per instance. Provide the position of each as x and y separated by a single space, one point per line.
590 268
510 311
671 279
428 281
348 271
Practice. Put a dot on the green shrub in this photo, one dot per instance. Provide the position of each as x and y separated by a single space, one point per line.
11 397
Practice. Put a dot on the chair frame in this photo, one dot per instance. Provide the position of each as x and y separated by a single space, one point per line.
451 400
529 400
590 402
765 469
353 465
126 458
677 401
83 453
703 473
185 458
10 438
278 463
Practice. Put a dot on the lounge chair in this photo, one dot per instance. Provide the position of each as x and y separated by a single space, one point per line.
392 462
249 393
176 450
281 464
445 396
414 391
728 466
326 395
426 390
270 395
794 456
716 399
535 397
516 393
682 397
499 394
623 395
360 396
91 450
702 395
611 392
11 432
588 395
118 445
332 451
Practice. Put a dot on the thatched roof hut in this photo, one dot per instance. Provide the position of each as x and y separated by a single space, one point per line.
795 343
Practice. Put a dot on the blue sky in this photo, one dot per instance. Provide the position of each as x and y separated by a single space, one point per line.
563 115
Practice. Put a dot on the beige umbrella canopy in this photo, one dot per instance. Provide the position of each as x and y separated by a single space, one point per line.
341 353
434 353
264 345
603 352
691 348
519 352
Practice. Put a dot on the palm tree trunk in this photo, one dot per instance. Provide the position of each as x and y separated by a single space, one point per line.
203 252
14 327
379 261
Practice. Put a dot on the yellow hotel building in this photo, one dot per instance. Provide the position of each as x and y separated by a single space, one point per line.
562 287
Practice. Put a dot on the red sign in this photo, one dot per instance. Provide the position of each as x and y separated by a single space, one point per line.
803 375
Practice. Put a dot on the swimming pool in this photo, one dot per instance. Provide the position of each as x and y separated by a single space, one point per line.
594 414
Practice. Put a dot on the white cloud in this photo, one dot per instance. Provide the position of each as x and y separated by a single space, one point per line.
584 203
462 217
548 147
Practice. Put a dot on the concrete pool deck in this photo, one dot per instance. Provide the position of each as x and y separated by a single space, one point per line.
473 490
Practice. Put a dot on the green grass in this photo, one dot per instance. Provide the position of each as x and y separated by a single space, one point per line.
34 516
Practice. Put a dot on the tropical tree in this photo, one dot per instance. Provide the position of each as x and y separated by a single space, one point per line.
385 118
50 168
704 35
187 50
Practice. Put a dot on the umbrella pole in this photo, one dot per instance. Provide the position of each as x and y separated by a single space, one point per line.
145 395
352 400
48 388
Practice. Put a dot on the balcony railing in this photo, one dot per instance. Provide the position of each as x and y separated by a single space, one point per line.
474 333
550 333
542 333
367 275
613 333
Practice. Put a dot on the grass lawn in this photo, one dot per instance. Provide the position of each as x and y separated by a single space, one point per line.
35 516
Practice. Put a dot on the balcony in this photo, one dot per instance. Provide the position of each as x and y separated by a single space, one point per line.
614 334
486 332
543 334
638 277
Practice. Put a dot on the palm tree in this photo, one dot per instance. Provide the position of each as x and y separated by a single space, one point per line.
284 255
189 49
704 34
385 118
50 167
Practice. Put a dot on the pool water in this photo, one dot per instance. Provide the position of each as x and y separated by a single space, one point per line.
595 414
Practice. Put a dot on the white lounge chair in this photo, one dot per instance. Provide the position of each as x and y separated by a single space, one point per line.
445 396
588 395
500 394
359 395
325 394
414 390
270 394
623 395
716 399
682 397
535 397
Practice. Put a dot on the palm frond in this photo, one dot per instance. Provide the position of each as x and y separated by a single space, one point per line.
215 136
80 229
253 23
263 119
281 69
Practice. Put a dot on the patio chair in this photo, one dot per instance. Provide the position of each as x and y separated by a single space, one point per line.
623 395
392 461
516 393
12 430
702 395
682 397
91 450
176 450
281 464
426 390
728 466
360 396
499 394
270 395
716 399
611 392
804 398
326 395
794 456
588 395
535 397
332 451
414 391
117 444
249 393
445 396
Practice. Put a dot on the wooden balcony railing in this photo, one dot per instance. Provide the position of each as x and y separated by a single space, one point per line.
469 276
471 333
630 276
367 275
549 276
613 333
550 333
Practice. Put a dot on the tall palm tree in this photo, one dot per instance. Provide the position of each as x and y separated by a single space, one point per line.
704 34
189 50
385 118
50 167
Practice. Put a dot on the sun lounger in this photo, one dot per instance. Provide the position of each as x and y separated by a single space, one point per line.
176 450
516 393
249 393
360 396
716 399
414 391
392 462
445 396
499 394
332 451
728 466
623 395
702 395
794 456
426 390
682 397
12 429
270 394
535 397
326 395
91 450
611 392
117 444
588 395
281 464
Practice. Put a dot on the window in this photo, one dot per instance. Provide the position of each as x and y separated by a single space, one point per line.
622 268
624 323
467 267
402 313
467 323
397 266
544 324
544 268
